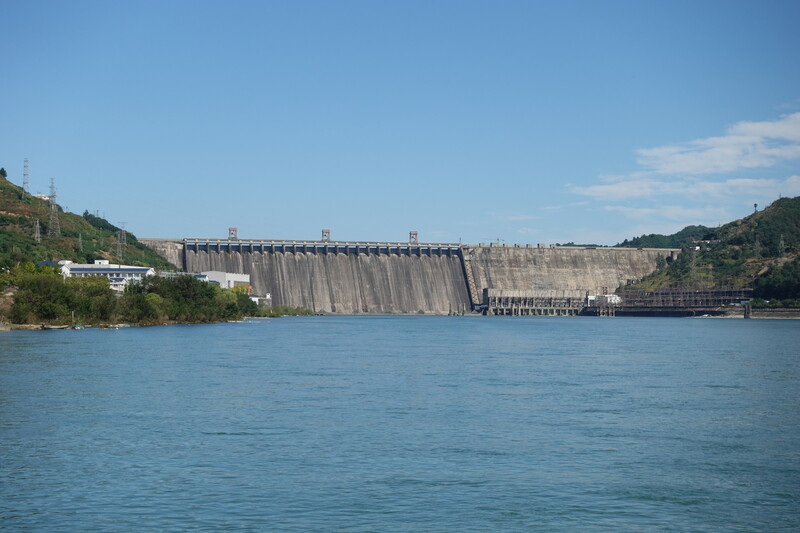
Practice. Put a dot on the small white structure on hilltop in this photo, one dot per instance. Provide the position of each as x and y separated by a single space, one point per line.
228 280
118 275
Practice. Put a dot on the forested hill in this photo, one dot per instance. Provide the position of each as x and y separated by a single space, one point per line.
761 251
687 235
82 238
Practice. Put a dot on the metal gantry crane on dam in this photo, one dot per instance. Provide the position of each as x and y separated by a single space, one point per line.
411 277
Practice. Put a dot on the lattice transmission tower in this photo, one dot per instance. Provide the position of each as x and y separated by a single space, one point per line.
26 180
54 227
122 240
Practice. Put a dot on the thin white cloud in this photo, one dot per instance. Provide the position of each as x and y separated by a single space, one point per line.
513 217
635 213
528 231
790 187
676 213
621 190
565 206
745 145
706 181
691 188
787 128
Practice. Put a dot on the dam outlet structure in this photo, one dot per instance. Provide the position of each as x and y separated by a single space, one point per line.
353 277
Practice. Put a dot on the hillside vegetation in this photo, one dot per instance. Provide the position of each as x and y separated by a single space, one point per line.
83 238
760 251
687 235
39 294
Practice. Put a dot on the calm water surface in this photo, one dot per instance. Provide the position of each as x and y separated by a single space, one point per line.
404 424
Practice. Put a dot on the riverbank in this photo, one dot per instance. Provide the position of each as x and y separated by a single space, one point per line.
776 312
44 327
38 327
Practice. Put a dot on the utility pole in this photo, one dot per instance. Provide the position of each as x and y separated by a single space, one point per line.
53 228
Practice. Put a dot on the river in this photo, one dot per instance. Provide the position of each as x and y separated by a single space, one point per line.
404 423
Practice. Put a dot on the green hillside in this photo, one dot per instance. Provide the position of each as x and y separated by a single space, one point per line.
760 251
687 235
83 238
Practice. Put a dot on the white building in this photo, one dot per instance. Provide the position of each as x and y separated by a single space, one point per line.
228 280
118 275
171 274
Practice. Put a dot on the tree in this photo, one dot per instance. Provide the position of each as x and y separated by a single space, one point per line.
42 295
783 282
93 298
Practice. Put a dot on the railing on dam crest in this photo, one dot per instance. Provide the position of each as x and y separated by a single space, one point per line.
319 247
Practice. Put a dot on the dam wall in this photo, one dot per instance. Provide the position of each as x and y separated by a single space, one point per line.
557 270
410 278
351 278
169 249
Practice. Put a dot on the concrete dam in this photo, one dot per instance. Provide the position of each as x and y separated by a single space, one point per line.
413 278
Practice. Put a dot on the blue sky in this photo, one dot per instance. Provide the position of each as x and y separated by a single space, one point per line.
510 121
